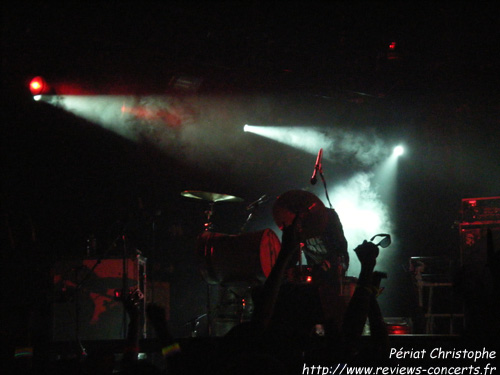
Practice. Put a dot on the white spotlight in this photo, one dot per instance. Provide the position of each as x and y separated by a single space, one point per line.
306 139
398 150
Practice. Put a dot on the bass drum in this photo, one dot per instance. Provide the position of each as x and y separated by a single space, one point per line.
243 259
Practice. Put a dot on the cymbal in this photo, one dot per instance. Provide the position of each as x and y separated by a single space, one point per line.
312 212
211 197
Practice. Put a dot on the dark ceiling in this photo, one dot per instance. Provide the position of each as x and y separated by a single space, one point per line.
335 45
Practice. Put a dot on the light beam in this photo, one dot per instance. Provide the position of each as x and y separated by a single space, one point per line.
340 145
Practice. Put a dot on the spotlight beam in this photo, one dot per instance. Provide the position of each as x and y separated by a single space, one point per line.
339 144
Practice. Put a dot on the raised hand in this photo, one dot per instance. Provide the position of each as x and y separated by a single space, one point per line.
367 254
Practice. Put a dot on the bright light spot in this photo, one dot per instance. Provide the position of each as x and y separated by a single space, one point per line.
38 86
398 150
37 97
246 128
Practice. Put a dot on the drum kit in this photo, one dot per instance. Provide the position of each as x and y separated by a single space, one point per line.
249 257
236 262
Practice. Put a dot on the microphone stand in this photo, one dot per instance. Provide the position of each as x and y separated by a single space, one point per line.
339 271
249 217
124 281
318 169
83 352
253 208
194 323
324 185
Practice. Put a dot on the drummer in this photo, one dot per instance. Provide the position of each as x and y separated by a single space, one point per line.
323 245
327 253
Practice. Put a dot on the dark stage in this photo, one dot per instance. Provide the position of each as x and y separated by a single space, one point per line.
159 122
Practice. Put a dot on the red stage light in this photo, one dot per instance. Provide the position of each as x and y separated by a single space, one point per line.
38 86
392 51
398 329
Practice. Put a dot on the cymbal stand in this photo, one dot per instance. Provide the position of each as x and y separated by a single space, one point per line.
209 213
208 228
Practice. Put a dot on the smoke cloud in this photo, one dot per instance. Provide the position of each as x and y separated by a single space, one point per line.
363 214
209 131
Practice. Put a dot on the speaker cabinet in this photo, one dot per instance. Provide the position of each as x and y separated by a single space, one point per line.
474 241
84 297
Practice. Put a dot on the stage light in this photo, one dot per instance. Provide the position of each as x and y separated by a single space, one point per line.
38 86
393 51
117 294
398 151
398 326
398 330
